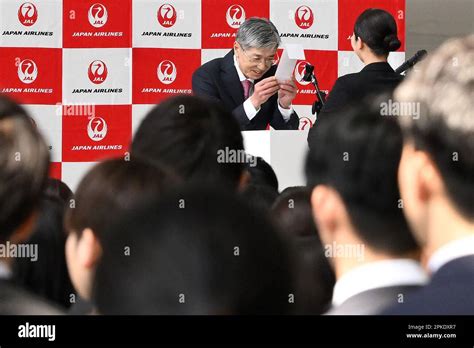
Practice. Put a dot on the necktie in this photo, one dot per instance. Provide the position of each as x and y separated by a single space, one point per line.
247 85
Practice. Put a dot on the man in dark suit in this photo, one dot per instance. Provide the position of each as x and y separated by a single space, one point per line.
244 82
24 164
436 176
352 171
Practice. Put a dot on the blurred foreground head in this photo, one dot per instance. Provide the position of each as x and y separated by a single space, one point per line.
24 163
196 251
109 191
196 138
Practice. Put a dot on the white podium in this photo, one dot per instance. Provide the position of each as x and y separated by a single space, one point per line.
284 150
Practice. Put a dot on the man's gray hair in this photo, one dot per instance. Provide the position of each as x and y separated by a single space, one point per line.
258 33
444 86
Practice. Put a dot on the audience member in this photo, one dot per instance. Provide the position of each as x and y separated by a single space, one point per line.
352 165
196 251
436 176
105 194
314 277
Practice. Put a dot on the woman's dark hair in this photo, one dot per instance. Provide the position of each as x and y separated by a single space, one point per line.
378 29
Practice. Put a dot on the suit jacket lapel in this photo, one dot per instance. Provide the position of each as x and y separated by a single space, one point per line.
230 78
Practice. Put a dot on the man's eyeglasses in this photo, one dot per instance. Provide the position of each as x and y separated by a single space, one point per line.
255 60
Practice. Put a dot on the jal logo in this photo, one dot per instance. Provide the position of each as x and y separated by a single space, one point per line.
27 14
166 15
97 129
98 15
235 16
166 72
97 71
300 71
304 17
305 123
27 71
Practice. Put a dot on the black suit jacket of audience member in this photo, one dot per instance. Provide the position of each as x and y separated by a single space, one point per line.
218 79
16 301
449 292
372 79
372 301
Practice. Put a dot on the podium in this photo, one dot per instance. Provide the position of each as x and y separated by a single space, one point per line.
284 150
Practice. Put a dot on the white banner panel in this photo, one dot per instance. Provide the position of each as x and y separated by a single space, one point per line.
312 23
31 23
173 24
48 121
97 76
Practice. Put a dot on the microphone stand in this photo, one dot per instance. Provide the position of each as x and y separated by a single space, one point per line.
321 96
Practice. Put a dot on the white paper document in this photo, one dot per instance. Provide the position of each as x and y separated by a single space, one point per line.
291 54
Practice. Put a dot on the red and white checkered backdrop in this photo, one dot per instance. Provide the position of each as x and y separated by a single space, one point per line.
89 70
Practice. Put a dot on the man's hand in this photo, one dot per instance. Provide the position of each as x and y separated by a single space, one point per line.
287 93
263 91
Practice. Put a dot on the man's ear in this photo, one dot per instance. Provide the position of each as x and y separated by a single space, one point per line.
326 206
235 47
89 249
430 179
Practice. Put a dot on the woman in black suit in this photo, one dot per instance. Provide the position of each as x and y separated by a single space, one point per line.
374 37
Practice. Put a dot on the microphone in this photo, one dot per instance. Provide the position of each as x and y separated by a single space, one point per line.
308 72
310 76
412 61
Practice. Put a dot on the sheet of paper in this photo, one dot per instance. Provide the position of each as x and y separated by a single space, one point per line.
291 54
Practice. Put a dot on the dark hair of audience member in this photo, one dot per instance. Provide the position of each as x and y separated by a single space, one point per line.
110 189
59 189
196 251
24 164
314 277
357 152
259 197
262 174
48 276
192 136
378 29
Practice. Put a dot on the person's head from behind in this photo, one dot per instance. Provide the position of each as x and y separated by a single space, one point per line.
58 189
262 173
314 277
255 46
105 193
375 35
352 165
196 138
437 166
24 164
195 251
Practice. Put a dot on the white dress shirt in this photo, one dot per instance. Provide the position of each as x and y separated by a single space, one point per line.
249 109
453 250
379 274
